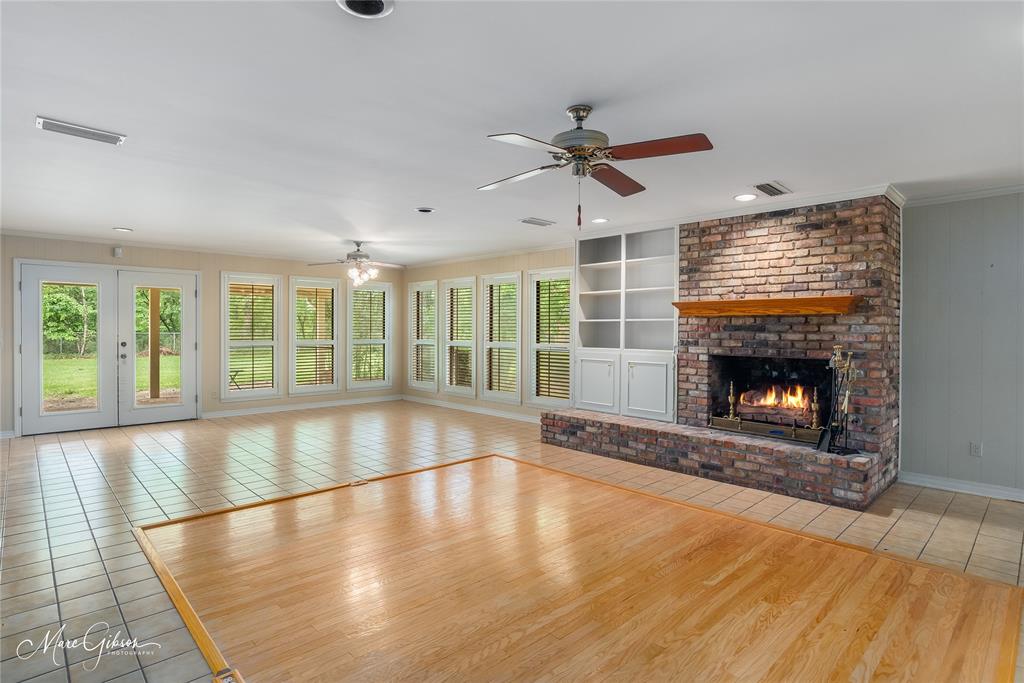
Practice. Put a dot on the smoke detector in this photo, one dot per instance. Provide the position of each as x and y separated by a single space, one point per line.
54 126
367 9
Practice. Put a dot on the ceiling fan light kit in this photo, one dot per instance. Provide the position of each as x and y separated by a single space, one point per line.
361 268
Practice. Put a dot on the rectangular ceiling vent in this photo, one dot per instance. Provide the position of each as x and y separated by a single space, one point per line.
540 222
54 126
772 188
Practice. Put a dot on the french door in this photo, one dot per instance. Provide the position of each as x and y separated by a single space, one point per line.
102 347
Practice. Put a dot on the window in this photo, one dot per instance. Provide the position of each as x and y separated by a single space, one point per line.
250 310
501 337
459 363
369 337
314 344
423 335
550 337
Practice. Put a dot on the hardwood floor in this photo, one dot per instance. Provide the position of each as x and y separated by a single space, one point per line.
500 570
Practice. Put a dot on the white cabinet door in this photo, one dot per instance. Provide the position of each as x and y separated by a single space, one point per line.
597 380
648 385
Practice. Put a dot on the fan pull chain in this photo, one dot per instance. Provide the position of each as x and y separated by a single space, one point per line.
579 205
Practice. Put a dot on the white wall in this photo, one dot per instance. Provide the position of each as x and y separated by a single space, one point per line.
963 341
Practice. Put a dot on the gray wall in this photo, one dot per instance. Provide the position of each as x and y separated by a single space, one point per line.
963 340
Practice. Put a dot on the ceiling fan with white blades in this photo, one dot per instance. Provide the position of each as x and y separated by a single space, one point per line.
588 153
361 268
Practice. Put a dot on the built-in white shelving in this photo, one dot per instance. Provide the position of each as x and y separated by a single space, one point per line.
627 283
626 323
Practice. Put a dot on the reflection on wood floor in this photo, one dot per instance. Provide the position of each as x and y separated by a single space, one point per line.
495 569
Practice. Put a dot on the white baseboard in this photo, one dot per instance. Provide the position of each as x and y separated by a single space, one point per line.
962 486
257 410
7 435
534 419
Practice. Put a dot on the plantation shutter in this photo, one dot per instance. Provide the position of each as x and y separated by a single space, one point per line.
369 335
459 337
424 334
501 366
553 337
251 338
315 336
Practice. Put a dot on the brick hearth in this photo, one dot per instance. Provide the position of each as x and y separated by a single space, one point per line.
767 464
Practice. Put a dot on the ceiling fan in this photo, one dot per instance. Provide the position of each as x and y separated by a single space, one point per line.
588 152
361 267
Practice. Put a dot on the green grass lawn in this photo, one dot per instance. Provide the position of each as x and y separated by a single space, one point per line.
68 377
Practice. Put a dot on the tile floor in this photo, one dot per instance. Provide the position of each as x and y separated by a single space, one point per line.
70 501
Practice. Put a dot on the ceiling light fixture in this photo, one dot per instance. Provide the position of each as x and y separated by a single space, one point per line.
425 209
362 273
367 9
123 229
599 220
745 197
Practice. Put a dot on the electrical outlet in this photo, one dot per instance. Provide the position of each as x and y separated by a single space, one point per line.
975 449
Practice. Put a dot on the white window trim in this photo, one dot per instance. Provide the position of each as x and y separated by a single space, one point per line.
532 346
226 395
426 286
389 306
294 283
458 283
485 393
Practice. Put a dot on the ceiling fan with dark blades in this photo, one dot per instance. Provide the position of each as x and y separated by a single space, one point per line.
588 152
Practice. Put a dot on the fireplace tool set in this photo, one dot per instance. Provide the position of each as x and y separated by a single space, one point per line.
828 437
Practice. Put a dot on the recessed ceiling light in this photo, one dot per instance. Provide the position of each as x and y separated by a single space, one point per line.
367 9
599 220
123 229
745 197
52 125
425 209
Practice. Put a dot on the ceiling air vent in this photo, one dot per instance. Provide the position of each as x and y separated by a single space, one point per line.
772 188
540 222
53 126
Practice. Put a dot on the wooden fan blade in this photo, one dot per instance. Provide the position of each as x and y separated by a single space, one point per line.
616 180
526 141
381 264
520 176
697 142
326 263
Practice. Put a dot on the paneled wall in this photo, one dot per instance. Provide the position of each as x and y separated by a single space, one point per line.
963 327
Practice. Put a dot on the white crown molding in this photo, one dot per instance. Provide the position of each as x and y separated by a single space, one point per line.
533 419
962 486
492 255
762 205
135 244
965 196
288 407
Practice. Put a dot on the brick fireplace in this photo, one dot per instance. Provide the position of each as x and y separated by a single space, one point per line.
842 248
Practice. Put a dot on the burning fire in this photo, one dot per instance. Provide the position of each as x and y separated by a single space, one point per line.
777 397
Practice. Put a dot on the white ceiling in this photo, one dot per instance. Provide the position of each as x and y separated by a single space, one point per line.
286 128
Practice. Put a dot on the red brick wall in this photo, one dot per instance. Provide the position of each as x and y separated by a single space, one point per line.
848 247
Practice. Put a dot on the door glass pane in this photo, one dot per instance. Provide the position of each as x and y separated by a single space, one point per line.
70 370
157 346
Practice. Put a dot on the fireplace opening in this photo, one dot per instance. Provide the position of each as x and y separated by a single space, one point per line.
786 398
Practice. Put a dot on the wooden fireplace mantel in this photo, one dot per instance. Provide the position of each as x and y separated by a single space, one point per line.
803 305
